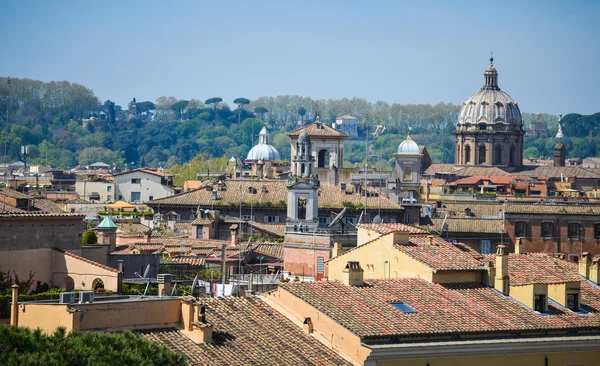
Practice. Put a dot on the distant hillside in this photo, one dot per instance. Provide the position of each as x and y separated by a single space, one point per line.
65 124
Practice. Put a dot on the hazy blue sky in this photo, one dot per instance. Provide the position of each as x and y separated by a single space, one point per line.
547 52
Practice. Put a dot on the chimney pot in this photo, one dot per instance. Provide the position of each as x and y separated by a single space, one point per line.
307 326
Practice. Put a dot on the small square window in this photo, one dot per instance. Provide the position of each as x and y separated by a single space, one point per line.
136 180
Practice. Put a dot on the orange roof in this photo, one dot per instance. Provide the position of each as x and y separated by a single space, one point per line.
477 179
120 205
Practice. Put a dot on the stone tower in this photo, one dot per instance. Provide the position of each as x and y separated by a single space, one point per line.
303 186
489 130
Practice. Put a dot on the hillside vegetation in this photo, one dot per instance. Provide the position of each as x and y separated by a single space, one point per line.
65 124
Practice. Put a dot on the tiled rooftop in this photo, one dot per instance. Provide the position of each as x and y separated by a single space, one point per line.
318 129
470 225
275 196
38 204
441 309
470 171
387 228
246 331
440 254
274 229
274 250
550 209
539 268
478 209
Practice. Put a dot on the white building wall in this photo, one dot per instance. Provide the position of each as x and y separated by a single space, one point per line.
106 190
149 187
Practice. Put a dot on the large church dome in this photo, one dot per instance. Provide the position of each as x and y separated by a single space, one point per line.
263 150
490 107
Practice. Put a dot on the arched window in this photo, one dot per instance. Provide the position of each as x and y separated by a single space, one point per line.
482 154
511 155
467 154
323 160
301 208
498 155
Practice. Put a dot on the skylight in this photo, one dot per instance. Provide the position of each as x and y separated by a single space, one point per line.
403 307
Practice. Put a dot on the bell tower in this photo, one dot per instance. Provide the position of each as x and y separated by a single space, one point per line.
302 186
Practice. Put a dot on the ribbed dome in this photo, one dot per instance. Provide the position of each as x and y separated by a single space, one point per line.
408 146
491 106
263 150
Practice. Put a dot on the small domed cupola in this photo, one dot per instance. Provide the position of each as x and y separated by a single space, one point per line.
490 77
408 146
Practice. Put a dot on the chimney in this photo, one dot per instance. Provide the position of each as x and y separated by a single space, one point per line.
400 237
490 275
120 265
307 326
518 246
337 250
149 236
14 306
501 282
584 265
202 327
164 284
430 239
352 275
595 271
264 188
343 187
235 235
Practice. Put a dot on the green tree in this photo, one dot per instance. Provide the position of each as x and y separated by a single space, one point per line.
89 237
261 111
241 102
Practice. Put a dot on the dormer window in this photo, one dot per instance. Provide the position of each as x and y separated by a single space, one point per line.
319 126
540 303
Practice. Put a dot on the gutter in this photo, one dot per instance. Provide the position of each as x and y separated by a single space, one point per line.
430 350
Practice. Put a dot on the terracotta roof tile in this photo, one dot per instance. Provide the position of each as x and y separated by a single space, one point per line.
246 331
274 229
440 254
441 309
274 250
552 209
387 228
470 225
538 268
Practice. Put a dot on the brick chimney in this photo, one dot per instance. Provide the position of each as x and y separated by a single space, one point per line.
595 271
352 275
501 281
235 235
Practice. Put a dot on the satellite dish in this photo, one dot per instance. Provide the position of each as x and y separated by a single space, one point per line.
338 218
377 220
147 271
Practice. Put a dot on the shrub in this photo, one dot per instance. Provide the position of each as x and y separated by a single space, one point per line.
89 237
23 346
